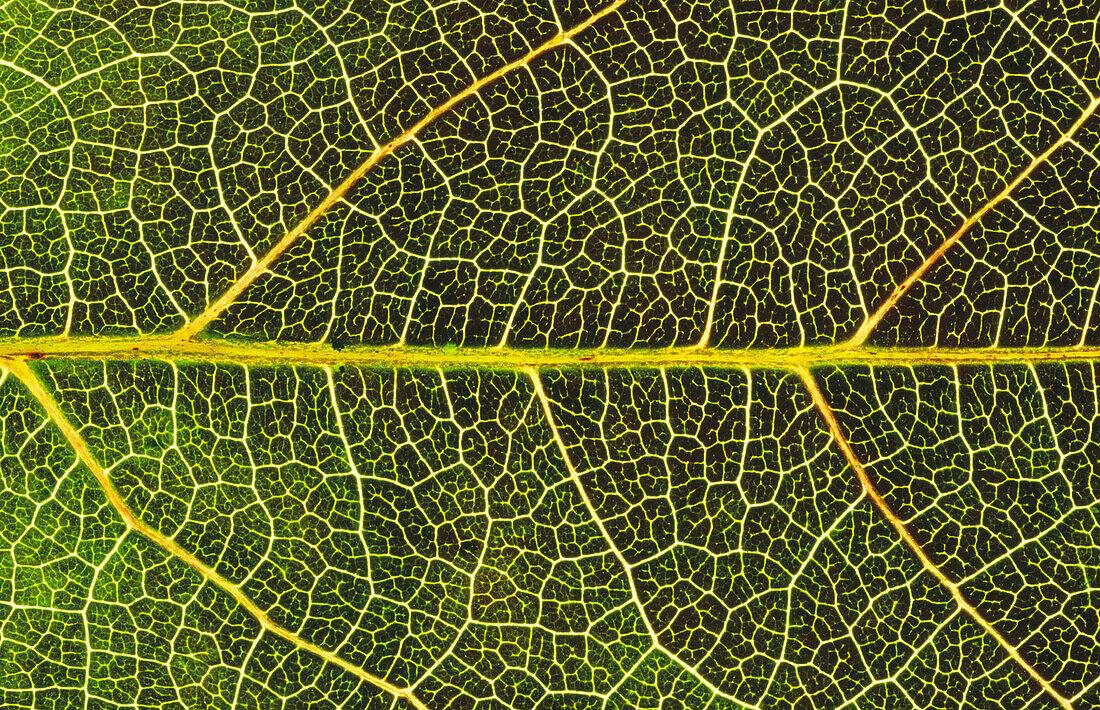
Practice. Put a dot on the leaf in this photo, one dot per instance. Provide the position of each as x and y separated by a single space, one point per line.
527 355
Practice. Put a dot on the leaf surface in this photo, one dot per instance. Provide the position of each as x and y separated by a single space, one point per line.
530 355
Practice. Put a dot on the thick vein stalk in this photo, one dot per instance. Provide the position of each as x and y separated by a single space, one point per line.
917 274
512 358
215 309
899 527
20 369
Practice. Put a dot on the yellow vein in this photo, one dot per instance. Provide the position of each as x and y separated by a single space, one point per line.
544 401
869 488
20 369
194 327
510 358
869 325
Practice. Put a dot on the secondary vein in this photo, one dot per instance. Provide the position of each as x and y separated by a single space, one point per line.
215 309
575 476
917 274
833 424
21 370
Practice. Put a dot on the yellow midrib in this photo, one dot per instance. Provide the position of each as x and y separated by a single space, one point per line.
274 353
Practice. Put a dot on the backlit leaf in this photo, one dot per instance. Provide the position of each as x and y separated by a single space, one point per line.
549 354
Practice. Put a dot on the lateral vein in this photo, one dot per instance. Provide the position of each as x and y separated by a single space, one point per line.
20 369
831 421
917 274
196 325
575 476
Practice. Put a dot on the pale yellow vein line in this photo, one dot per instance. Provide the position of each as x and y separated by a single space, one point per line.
869 488
575 476
869 325
20 369
195 326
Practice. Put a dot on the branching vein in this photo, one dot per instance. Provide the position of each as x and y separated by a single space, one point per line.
899 527
544 401
869 325
215 309
21 370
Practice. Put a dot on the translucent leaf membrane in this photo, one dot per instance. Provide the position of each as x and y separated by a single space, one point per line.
1027 276
815 156
993 470
148 154
425 526
676 174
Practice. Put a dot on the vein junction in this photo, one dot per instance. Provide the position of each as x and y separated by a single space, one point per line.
545 488
910 542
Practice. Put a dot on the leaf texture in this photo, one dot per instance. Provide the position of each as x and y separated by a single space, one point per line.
549 354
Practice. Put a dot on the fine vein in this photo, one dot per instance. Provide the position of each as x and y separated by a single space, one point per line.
869 325
196 326
21 370
872 493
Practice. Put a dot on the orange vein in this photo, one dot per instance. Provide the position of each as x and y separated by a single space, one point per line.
868 325
195 326
869 488
20 369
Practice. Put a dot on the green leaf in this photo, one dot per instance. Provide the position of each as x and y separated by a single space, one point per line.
549 355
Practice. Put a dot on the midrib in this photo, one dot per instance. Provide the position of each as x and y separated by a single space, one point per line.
212 350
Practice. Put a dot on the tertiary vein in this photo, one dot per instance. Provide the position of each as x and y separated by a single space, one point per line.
918 273
856 344
182 346
574 475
